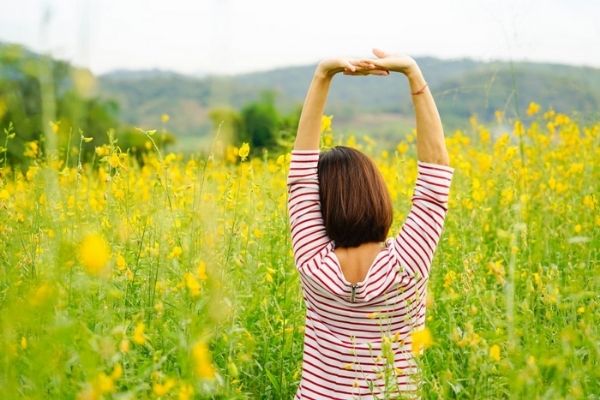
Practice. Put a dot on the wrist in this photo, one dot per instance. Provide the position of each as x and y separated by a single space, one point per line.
323 73
413 73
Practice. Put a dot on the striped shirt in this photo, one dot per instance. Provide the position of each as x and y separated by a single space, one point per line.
357 342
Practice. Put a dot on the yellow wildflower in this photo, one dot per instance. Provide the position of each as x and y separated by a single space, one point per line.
202 271
165 118
161 389
104 384
31 149
124 346
533 108
192 284
244 151
421 340
102 151
117 371
176 252
185 392
114 160
402 147
326 123
449 278
203 365
138 333
94 253
495 352
54 126
121 264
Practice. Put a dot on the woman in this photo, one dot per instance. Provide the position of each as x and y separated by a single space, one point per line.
364 293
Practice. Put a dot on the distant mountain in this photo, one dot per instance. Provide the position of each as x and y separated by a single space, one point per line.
377 105
141 74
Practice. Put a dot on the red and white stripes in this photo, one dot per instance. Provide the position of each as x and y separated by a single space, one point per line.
349 336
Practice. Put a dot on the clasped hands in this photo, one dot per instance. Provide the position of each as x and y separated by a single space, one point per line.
381 65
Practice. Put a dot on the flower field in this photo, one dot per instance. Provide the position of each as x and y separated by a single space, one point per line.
175 279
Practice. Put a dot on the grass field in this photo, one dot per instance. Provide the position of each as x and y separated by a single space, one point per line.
176 280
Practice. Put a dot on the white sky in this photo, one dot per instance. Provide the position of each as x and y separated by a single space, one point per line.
229 36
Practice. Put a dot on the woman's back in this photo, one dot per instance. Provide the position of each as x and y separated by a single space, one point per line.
355 262
357 335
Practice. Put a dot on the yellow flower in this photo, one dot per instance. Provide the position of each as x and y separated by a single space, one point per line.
94 253
23 342
449 278
104 384
202 271
124 346
117 371
326 123
518 128
121 264
533 108
102 151
185 392
402 147
421 340
176 252
138 333
495 352
54 126
31 149
499 115
244 151
165 118
203 361
161 389
192 284
114 160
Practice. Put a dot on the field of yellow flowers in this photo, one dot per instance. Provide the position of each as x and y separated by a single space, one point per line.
175 279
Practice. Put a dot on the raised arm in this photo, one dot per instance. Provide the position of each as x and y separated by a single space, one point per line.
309 126
308 233
417 241
431 146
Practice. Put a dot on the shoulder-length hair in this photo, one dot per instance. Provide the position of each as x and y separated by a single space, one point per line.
355 203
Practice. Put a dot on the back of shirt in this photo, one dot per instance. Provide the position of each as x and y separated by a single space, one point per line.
347 324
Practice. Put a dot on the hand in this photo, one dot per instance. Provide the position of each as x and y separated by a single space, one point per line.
394 62
332 66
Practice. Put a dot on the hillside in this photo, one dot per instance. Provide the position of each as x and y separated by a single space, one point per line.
375 105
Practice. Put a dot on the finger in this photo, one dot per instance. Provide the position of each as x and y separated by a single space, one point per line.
350 66
379 53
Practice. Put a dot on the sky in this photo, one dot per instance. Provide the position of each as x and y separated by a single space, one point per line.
234 36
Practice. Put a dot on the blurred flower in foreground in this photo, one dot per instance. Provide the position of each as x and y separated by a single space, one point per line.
421 339
203 361
495 352
94 253
138 333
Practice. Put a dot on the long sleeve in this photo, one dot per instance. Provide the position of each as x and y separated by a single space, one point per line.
304 208
417 241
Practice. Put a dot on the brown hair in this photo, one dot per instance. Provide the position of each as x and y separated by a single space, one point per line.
355 202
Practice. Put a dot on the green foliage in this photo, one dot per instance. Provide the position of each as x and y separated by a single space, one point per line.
28 80
261 121
258 123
